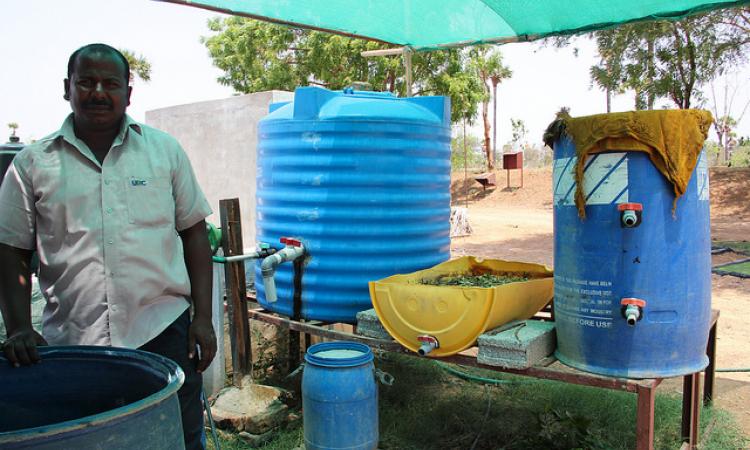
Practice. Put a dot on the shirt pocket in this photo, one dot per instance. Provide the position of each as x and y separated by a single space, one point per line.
150 201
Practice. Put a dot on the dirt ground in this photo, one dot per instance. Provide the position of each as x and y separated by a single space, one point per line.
516 224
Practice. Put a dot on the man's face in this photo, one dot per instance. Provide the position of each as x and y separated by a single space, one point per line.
98 91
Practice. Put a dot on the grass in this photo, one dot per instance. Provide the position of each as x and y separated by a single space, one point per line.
428 409
739 268
736 246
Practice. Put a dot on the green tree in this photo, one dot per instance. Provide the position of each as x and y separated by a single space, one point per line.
671 60
519 132
489 67
139 65
472 158
496 78
13 127
258 56
724 121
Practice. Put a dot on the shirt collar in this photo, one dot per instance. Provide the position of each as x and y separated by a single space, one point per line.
67 131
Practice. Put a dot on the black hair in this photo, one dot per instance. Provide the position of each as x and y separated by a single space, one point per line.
98 48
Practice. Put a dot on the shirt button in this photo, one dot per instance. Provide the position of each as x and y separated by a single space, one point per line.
106 182
111 241
109 210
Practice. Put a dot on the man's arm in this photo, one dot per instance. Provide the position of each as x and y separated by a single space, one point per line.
198 262
15 304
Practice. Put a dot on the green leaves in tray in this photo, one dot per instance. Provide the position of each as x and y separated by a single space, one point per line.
487 280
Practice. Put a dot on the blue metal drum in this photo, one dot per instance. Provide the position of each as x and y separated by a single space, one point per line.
91 398
7 152
632 279
363 180
340 397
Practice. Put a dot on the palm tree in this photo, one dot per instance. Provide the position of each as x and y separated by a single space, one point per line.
496 78
489 67
13 127
139 65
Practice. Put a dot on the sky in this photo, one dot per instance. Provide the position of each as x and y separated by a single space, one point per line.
38 36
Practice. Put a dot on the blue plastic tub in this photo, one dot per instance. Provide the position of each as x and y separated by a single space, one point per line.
87 398
664 261
339 397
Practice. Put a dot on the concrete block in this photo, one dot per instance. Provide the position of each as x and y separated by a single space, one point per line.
369 325
253 408
220 137
517 347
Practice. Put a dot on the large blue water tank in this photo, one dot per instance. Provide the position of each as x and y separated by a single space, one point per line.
598 263
91 398
340 397
363 180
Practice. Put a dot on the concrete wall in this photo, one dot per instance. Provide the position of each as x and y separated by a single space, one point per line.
220 138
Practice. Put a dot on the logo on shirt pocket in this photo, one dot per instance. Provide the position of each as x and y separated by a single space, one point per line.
150 201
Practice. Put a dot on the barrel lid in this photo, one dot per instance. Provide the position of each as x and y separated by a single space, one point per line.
339 354
314 103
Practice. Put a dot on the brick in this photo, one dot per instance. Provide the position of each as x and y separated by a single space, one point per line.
518 347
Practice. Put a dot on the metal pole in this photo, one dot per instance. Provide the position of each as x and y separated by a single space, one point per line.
466 169
494 124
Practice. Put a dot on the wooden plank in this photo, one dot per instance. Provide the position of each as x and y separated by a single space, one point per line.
239 327
306 327
644 426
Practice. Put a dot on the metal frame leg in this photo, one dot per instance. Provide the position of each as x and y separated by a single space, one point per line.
691 404
644 428
708 382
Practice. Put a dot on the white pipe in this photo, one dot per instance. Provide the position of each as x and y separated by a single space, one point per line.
246 254
383 52
269 265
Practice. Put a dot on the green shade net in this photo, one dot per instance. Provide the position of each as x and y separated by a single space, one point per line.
434 23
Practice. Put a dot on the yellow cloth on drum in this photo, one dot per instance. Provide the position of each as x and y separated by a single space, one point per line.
673 139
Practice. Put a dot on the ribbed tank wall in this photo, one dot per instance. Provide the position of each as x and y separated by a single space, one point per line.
598 263
365 185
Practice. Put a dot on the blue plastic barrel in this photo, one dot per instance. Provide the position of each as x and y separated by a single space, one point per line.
363 180
87 398
339 397
665 261
8 151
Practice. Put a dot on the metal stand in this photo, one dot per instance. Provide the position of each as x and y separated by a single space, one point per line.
551 369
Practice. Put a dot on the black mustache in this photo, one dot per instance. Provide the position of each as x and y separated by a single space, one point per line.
95 103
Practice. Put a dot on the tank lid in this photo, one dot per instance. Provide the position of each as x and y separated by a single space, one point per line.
339 354
315 103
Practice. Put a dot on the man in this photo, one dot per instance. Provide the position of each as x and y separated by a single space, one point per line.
103 201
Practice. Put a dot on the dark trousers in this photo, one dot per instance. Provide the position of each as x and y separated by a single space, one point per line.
172 343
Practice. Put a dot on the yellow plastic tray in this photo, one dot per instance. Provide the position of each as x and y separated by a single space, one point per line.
457 315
